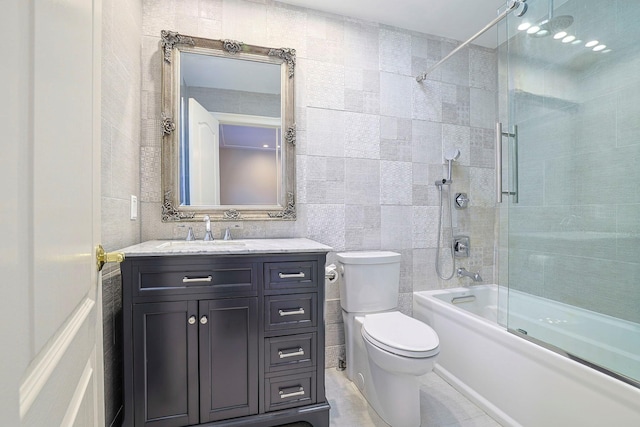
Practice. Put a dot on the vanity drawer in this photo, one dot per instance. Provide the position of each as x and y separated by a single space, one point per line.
290 275
230 278
290 352
290 391
290 311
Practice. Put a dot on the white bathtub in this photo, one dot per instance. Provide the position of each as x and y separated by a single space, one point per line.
518 382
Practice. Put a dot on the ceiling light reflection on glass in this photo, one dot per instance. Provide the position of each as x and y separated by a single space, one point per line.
533 30
592 43
560 35
524 26
599 47
568 39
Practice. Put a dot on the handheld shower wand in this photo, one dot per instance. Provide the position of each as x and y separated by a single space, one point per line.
450 156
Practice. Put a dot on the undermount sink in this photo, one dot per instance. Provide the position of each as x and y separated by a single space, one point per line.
184 243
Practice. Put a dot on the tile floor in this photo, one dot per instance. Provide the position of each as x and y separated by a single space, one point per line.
441 405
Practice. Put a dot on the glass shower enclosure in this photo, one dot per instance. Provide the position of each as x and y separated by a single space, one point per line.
569 252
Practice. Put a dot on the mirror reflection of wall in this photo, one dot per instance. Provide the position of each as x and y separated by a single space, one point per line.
231 126
249 173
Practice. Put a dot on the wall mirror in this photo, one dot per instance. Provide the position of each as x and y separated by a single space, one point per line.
229 134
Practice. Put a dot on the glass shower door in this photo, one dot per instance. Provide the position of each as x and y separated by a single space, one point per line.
570 100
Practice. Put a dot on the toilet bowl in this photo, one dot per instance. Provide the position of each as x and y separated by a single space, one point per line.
387 351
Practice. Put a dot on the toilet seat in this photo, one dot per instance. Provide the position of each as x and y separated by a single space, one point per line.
400 334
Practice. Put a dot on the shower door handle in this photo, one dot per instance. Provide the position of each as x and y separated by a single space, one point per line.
499 162
514 163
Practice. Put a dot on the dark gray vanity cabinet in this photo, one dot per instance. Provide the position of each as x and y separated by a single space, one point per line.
219 340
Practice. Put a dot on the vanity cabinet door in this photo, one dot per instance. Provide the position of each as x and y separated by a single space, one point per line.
165 363
228 358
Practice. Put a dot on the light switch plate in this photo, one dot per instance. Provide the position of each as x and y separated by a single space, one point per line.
134 207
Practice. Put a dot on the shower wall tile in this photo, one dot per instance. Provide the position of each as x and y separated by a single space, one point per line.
594 122
395 183
362 181
604 286
325 132
427 142
396 227
482 186
456 69
150 188
482 108
482 148
326 224
628 115
425 226
325 86
362 227
236 26
628 233
427 101
361 42
482 68
362 135
406 269
289 35
455 105
395 51
393 95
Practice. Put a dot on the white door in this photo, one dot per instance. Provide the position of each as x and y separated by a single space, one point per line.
51 367
204 156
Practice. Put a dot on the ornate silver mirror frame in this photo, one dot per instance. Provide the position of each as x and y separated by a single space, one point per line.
172 45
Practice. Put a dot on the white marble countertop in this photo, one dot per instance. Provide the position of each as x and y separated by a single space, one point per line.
224 247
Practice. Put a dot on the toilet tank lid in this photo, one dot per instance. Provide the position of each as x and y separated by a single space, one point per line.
368 257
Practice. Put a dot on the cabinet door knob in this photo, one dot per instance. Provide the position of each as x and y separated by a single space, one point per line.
203 320
192 320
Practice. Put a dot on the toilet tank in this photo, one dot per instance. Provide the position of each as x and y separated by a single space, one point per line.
369 281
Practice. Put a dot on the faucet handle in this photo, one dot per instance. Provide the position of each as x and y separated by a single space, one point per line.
190 235
227 234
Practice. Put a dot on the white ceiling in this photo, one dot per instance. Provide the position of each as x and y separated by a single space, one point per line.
455 19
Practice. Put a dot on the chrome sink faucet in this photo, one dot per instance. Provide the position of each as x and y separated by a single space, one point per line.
462 272
207 226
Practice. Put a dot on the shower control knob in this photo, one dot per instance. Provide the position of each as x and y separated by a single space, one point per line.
462 201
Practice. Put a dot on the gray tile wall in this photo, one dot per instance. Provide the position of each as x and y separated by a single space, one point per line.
370 138
121 93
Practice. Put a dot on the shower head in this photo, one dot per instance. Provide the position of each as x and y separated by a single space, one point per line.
452 154
554 24
559 23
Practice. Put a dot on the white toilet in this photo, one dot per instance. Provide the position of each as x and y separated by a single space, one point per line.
387 351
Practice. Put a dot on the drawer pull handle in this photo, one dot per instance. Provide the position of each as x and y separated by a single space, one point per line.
284 395
187 279
291 275
192 320
293 312
296 352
